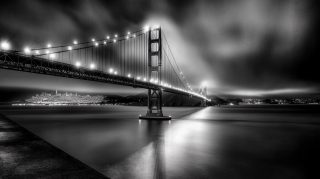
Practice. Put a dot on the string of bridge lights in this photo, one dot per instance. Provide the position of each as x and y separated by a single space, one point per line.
6 46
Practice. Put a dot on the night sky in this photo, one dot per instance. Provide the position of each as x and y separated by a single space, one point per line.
242 47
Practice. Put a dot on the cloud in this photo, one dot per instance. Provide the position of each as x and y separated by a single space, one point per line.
257 44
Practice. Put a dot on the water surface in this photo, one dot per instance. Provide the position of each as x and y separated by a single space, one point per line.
225 142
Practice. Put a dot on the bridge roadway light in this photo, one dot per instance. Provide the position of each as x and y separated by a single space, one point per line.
146 28
92 66
5 45
52 56
27 50
78 64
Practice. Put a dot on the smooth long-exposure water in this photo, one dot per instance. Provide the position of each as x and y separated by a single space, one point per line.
212 142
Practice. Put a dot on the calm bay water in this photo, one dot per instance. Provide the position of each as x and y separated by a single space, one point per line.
225 142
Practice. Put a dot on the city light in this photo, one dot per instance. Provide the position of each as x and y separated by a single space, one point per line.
37 52
5 45
138 78
144 79
75 42
47 51
93 39
134 35
116 72
96 44
92 66
114 40
127 37
104 42
115 35
129 75
69 48
49 45
108 37
78 64
129 33
110 70
27 50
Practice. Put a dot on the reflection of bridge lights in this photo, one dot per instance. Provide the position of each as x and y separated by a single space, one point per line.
129 75
93 40
114 40
52 56
69 48
75 42
5 45
49 45
96 44
27 50
92 66
78 64
110 70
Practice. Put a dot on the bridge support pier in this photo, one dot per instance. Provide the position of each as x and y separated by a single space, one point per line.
154 72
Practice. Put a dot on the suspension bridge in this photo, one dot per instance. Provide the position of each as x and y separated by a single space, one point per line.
141 59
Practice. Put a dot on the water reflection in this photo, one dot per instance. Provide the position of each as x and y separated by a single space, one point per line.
149 161
237 142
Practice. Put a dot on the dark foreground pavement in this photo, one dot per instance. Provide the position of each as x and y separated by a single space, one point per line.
24 155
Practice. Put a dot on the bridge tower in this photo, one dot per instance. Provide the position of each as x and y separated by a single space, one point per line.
154 71
203 91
